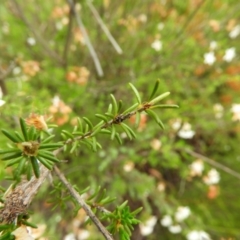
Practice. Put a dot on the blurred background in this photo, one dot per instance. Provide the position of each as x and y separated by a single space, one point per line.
58 63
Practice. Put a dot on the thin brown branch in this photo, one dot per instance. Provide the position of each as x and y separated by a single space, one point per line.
86 38
213 163
48 51
3 75
104 28
82 203
68 38
178 37
117 120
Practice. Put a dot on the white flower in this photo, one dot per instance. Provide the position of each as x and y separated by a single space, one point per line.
2 102
236 112
156 144
182 213
83 234
161 186
128 166
56 100
17 70
31 41
59 25
198 235
157 45
209 58
235 32
196 168
176 124
166 221
147 227
186 131
70 236
218 109
213 177
5 28
142 18
160 26
175 229
213 45
230 53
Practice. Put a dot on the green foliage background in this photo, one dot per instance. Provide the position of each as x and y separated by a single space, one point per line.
189 28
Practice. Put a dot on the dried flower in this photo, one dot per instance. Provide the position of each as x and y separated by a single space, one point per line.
36 121
78 75
60 111
22 233
30 68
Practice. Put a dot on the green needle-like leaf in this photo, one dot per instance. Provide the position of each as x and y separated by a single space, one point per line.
23 128
48 139
88 122
45 162
159 98
113 132
155 88
35 166
136 93
164 106
11 156
155 117
47 155
104 118
9 135
114 103
132 108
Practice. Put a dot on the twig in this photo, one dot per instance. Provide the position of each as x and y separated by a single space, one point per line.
82 203
5 73
104 27
188 20
117 120
68 38
213 163
86 38
3 76
37 35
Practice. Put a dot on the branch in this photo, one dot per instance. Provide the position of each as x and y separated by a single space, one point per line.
86 38
3 75
104 28
37 35
82 203
213 163
19 198
68 38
